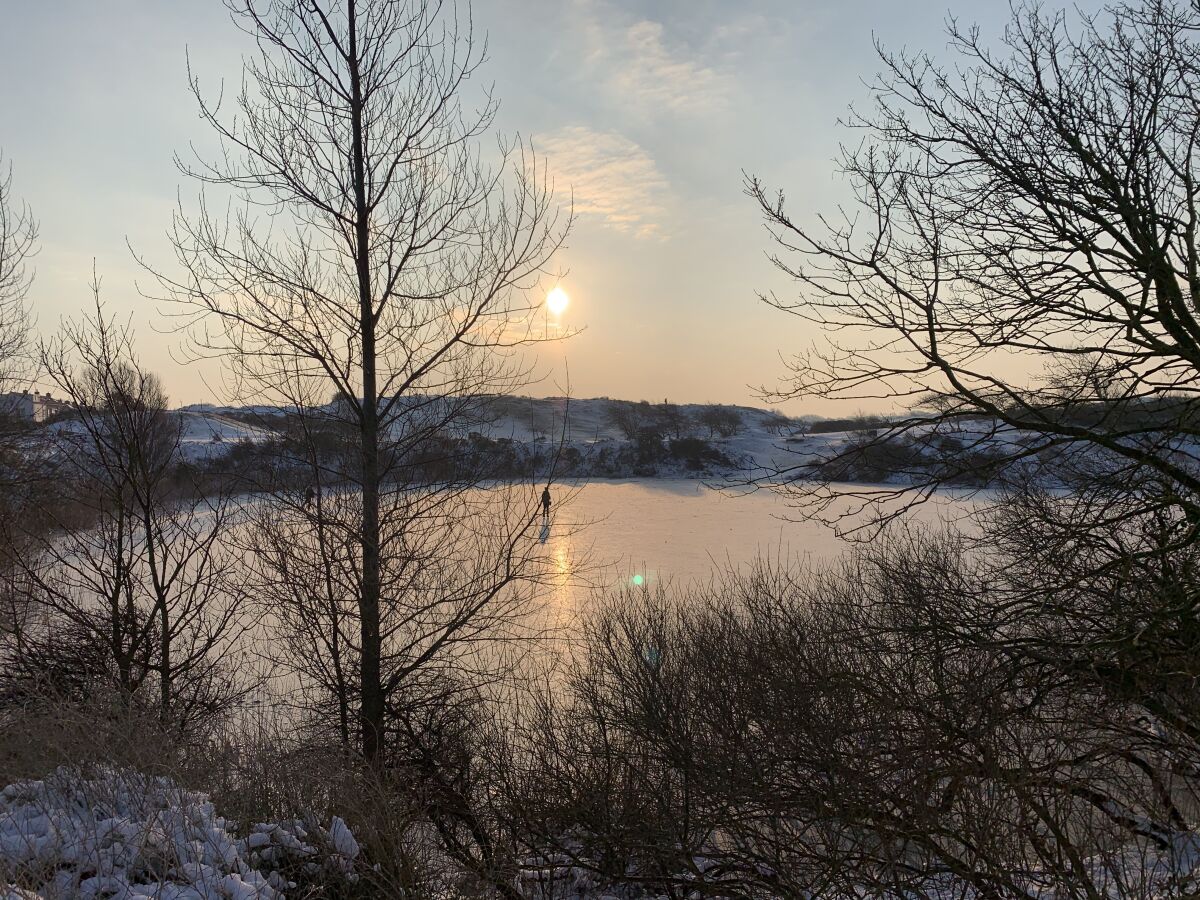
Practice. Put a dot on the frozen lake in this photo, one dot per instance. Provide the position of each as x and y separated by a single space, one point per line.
651 531
606 535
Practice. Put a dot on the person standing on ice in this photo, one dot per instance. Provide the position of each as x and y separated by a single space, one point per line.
544 534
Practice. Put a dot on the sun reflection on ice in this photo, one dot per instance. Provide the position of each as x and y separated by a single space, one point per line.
562 579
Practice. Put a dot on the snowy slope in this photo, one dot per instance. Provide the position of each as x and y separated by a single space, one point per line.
205 435
766 442
534 424
529 418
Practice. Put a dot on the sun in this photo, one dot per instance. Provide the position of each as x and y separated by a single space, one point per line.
557 300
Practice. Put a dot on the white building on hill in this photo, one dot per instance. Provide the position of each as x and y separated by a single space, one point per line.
31 406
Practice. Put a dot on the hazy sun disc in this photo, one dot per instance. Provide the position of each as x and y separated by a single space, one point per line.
557 300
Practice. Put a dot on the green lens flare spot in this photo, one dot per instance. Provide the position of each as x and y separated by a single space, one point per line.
638 580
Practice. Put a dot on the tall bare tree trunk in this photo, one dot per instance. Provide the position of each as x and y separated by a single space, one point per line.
408 287
371 708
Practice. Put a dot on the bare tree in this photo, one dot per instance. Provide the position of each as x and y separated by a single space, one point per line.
457 559
674 422
463 583
720 420
1021 260
18 243
637 419
135 565
625 417
394 265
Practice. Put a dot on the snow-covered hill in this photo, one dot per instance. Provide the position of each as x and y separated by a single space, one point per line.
534 427
209 434
600 437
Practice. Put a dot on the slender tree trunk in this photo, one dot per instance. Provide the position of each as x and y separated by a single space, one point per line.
161 608
122 653
335 618
129 639
371 711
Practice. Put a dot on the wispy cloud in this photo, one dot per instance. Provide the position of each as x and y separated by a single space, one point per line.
659 77
611 177
643 68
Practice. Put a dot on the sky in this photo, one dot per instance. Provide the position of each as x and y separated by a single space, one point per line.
650 111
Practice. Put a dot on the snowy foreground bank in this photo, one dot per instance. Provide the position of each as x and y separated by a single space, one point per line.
125 835
120 835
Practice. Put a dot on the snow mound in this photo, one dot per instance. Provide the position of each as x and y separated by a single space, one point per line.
113 833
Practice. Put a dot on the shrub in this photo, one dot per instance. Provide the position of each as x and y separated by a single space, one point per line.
915 721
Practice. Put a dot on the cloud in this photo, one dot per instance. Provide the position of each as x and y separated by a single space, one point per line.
660 78
611 177
641 68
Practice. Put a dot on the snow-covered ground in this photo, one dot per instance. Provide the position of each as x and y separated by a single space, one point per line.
210 434
204 435
113 834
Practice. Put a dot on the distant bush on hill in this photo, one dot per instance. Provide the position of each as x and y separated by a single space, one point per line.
850 423
720 420
670 420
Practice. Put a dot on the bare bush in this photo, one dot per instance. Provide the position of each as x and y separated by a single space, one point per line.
923 718
628 418
134 594
722 420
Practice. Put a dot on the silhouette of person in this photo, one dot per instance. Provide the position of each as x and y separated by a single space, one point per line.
546 503
309 495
